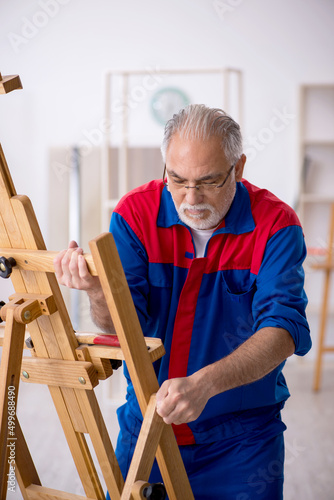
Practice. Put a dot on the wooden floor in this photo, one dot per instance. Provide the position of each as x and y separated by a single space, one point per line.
309 437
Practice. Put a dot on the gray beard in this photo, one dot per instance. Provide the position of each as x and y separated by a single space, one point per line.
215 216
195 221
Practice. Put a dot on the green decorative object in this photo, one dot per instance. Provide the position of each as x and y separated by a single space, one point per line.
166 102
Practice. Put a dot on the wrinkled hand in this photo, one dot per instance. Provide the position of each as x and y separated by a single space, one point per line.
181 400
72 271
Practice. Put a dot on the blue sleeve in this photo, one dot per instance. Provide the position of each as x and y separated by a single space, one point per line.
135 264
280 300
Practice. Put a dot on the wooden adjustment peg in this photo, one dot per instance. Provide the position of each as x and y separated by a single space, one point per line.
2 303
9 83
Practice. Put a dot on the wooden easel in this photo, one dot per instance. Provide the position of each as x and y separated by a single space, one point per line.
327 267
70 370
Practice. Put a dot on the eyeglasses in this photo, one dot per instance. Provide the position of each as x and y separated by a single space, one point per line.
203 187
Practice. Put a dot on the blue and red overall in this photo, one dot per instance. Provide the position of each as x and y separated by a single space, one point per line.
250 277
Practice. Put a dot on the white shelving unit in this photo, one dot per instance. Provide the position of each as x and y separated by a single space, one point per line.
317 193
317 154
317 175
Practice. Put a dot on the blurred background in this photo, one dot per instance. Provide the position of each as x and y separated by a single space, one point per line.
99 81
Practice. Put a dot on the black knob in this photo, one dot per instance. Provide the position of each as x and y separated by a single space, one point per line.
29 343
115 363
155 491
6 266
2 303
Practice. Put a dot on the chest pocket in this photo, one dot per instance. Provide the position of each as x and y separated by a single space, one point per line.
238 294
238 283
160 275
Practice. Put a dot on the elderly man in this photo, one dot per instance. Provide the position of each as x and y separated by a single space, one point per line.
214 265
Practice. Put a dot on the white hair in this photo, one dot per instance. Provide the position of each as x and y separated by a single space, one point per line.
197 121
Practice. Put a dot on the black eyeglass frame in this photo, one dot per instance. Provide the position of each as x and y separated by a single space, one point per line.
197 186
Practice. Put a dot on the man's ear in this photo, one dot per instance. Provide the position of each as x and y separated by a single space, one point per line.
239 167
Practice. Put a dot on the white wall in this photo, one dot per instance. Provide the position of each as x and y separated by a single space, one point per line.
62 48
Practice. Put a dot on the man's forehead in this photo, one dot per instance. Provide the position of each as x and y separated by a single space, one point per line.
180 139
195 152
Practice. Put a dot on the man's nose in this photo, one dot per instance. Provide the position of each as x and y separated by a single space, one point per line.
193 196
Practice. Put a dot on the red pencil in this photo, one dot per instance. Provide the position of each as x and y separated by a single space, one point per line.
93 339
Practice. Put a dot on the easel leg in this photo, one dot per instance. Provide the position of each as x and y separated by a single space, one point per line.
9 385
172 467
25 470
322 329
101 442
125 319
145 450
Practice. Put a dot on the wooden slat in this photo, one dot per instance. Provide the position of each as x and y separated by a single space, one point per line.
9 83
36 492
9 378
145 450
124 316
60 324
74 410
39 260
10 235
77 444
172 467
6 182
156 349
59 372
25 470
127 326
106 352
101 442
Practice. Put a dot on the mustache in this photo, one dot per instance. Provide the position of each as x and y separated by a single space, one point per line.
198 206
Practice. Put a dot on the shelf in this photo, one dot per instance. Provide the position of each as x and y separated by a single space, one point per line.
323 266
315 198
316 309
318 142
318 86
